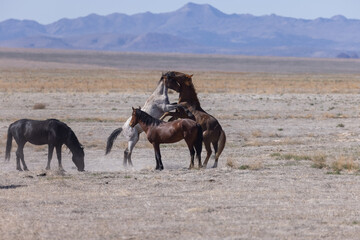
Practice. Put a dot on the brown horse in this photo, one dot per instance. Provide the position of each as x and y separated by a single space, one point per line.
158 132
213 132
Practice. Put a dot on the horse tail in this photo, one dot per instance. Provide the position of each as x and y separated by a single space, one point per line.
221 142
199 139
8 144
111 139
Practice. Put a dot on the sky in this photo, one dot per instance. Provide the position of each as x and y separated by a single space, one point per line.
48 11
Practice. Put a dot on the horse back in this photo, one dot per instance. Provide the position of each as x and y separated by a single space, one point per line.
38 132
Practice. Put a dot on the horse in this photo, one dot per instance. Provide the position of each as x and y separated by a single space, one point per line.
158 132
213 132
156 105
52 132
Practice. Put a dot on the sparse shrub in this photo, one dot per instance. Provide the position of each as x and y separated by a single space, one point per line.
319 161
340 125
39 106
230 163
344 163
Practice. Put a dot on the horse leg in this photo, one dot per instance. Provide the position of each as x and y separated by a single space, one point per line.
126 153
50 153
198 155
208 149
159 165
58 154
19 156
129 149
172 114
192 153
215 145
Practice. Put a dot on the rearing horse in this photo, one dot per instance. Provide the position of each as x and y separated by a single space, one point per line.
213 132
156 105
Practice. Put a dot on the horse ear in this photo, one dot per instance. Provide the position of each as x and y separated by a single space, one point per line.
133 108
139 108
189 75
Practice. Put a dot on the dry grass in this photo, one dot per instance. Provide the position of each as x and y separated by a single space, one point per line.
319 161
232 163
345 163
113 80
88 71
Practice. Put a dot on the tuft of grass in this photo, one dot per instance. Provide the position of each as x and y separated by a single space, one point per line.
254 166
340 125
344 163
319 161
38 106
257 133
290 156
231 163
244 167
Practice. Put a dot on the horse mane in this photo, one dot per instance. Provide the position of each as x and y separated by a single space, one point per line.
73 140
146 118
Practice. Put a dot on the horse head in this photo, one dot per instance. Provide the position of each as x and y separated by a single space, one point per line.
77 150
78 159
134 117
175 80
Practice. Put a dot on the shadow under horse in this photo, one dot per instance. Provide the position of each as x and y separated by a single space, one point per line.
52 132
213 132
158 132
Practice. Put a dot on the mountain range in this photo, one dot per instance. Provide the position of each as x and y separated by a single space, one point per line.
194 28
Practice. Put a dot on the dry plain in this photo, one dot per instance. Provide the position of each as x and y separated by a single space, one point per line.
289 170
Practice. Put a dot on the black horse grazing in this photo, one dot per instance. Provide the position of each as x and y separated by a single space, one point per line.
52 132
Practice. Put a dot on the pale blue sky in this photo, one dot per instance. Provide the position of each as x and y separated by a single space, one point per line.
48 11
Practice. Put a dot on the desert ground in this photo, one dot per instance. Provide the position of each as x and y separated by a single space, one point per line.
290 168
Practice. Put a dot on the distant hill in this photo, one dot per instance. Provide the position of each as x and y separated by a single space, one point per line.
193 28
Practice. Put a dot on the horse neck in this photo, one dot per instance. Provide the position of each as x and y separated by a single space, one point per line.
161 89
158 98
189 95
72 143
144 127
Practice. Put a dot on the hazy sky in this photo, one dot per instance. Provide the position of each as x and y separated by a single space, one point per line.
48 11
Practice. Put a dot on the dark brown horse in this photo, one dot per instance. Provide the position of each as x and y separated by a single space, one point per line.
213 132
158 132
